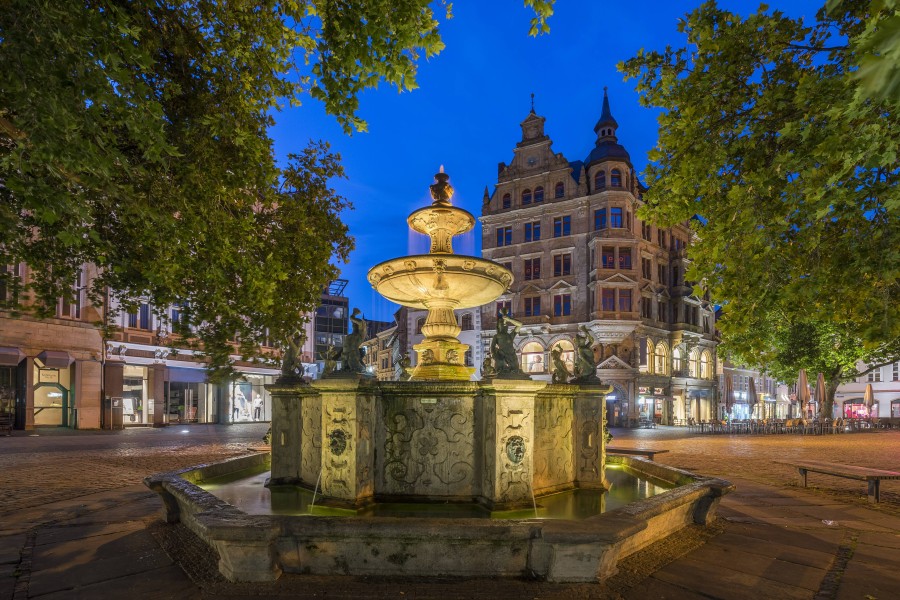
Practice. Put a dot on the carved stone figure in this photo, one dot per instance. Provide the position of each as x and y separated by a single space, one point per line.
352 343
453 357
585 365
506 361
330 357
290 356
560 370
405 363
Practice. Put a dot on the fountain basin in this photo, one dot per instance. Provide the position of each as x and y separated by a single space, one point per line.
261 547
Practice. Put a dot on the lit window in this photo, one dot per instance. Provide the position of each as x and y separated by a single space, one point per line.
662 360
533 358
567 354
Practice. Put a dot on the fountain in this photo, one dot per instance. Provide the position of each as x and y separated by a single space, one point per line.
504 443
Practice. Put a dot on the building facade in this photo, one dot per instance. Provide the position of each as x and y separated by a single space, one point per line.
772 398
581 258
885 381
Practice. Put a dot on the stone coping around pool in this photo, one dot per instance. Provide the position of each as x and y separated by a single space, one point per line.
261 547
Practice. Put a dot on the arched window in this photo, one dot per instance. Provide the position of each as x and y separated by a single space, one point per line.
526 197
538 194
567 354
507 200
650 356
662 359
533 358
600 180
615 178
694 364
560 190
677 364
705 364
419 323
465 322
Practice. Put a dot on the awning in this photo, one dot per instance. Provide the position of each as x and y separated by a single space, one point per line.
10 357
55 359
182 375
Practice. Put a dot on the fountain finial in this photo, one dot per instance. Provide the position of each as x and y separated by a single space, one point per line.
442 190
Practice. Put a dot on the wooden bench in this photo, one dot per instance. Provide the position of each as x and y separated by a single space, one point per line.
634 452
6 422
872 476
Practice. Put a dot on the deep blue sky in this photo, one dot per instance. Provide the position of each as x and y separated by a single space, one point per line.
466 113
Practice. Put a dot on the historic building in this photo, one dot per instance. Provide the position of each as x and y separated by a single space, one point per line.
581 258
849 400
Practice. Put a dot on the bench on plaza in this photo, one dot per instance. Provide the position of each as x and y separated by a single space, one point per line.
6 422
872 476
635 452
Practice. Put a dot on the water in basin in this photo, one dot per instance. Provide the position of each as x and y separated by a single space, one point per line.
246 490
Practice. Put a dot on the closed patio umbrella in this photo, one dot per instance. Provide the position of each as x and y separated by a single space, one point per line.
751 394
729 393
802 392
869 398
820 395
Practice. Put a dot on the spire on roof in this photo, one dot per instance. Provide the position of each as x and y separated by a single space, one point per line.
606 126
487 196
532 102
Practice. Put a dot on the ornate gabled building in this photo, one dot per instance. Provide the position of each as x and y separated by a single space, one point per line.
581 258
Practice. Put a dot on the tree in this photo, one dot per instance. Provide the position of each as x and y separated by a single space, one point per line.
785 346
787 170
134 136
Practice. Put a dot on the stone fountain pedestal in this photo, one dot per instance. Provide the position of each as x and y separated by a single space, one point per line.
500 443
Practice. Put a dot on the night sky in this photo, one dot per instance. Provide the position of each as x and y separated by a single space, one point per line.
466 114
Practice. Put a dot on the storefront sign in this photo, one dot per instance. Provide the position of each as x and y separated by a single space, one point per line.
48 376
660 391
643 390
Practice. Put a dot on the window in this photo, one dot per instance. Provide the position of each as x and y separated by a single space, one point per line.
694 364
704 366
562 226
506 265
562 305
608 256
562 265
661 237
177 313
532 268
533 231
465 322
470 362
662 359
896 371
538 194
628 221
677 365
600 219
874 376
533 358
141 318
507 201
625 300
559 190
70 307
662 311
646 231
567 354
624 258
504 236
608 300
533 306
646 308
526 197
646 268
600 180
661 274
615 217
419 323
504 306
615 178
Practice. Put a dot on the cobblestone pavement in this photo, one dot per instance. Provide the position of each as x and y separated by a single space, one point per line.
75 522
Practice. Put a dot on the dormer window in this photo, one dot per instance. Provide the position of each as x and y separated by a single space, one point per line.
560 190
526 197
538 194
600 180
507 200
616 178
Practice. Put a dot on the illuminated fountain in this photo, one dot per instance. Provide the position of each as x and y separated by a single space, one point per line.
440 282
506 443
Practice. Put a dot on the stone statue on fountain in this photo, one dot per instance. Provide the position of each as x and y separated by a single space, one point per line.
291 366
585 364
503 351
351 354
560 369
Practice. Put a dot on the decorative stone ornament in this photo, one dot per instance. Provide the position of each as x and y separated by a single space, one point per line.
337 441
515 449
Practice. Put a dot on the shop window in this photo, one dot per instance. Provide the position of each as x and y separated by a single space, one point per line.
538 194
532 268
694 364
562 305
526 197
608 299
625 301
465 322
705 364
599 219
677 363
562 226
615 217
615 178
559 190
507 201
895 409
562 265
504 236
533 231
662 359
532 306
600 180
533 358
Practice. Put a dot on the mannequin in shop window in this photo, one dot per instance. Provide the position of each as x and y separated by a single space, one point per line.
257 407
238 403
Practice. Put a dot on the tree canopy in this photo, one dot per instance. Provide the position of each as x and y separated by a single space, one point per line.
778 139
134 136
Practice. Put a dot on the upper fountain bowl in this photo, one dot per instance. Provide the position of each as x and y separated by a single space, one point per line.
421 280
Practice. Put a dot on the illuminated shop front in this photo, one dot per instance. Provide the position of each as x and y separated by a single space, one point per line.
248 400
651 403
137 408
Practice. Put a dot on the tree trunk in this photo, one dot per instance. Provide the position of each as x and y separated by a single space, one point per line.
831 385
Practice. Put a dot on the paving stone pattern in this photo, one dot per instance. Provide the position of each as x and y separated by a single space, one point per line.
75 522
